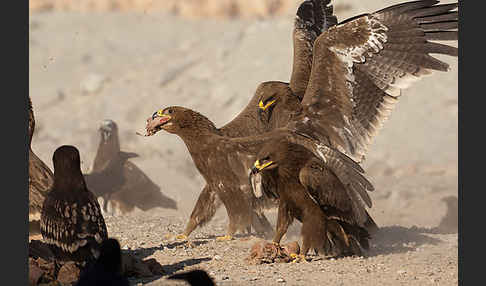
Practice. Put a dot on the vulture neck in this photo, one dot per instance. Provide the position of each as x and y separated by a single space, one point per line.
106 151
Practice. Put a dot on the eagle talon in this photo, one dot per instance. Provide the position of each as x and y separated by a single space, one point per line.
181 237
224 238
298 258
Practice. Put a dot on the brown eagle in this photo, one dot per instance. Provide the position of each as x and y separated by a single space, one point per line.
324 195
120 181
308 185
71 220
40 179
358 68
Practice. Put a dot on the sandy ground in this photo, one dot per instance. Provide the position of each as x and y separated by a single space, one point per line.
86 67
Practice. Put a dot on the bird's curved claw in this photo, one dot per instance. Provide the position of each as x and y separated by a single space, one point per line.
181 237
224 238
298 258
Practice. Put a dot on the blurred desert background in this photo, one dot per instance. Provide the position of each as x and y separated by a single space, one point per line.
123 60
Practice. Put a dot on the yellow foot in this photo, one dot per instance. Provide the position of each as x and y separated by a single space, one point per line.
224 238
298 258
181 237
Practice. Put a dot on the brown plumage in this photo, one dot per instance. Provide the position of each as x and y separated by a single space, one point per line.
120 181
40 176
71 220
202 139
326 196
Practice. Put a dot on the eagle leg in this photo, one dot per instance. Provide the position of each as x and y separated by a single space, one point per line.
284 219
224 238
203 211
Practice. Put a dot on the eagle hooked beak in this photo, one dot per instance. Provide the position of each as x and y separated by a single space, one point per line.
164 118
257 167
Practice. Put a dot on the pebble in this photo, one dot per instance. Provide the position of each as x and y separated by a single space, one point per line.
92 83
280 280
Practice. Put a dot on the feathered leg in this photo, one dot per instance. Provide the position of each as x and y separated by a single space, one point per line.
284 219
203 211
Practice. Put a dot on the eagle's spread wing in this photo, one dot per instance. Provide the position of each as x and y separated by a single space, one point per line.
73 224
40 180
312 18
360 65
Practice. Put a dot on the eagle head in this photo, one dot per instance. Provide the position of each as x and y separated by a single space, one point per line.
178 120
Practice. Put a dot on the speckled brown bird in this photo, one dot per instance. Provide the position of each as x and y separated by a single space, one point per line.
40 179
71 221
326 196
358 69
119 181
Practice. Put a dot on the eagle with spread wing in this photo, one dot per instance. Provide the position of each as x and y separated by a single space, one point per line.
71 221
356 72
40 179
365 60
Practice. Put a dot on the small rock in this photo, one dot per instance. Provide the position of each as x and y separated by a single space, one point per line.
400 272
92 83
217 257
69 273
35 273
280 280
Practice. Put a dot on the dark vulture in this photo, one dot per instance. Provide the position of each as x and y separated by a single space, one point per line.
71 220
40 179
107 270
194 278
120 181
357 70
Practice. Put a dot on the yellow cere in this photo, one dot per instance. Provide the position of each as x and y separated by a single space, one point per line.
261 167
160 112
265 106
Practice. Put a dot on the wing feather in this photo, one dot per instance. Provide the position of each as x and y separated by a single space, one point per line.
368 60
312 18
